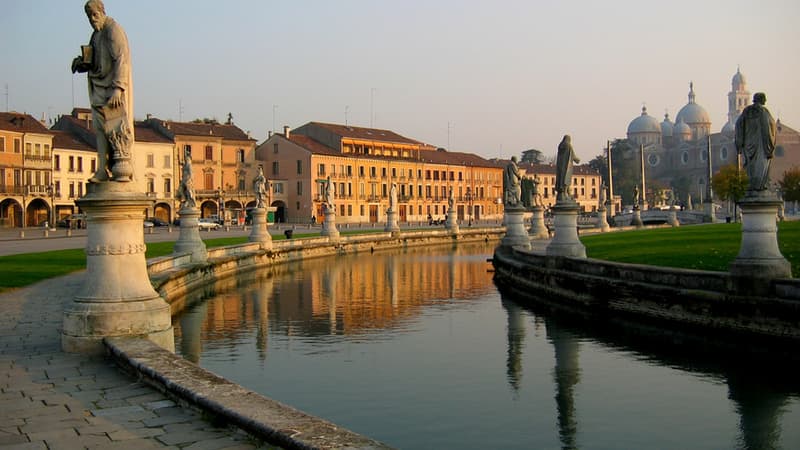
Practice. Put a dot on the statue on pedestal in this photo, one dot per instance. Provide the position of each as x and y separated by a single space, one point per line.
755 141
259 188
107 63
511 184
536 199
330 195
393 198
564 160
186 188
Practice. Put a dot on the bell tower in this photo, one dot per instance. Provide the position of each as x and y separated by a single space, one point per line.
738 97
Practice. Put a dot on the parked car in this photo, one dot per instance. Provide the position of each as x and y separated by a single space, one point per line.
147 224
158 222
207 223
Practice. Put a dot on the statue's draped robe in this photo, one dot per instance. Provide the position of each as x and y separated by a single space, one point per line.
755 140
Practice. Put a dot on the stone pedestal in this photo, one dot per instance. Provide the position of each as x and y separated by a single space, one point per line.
516 234
391 222
451 223
602 221
260 233
538 228
672 217
759 259
565 236
117 298
329 226
636 220
708 212
189 239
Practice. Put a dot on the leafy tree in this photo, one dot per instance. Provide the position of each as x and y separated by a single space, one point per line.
790 184
729 183
532 156
625 169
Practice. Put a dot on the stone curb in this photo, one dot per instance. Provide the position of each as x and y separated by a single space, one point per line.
260 416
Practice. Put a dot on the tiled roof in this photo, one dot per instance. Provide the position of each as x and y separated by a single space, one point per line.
21 123
143 133
312 145
67 141
231 132
370 134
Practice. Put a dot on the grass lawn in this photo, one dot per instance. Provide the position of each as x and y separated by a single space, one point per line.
702 247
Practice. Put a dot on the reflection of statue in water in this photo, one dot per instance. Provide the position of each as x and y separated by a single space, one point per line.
564 160
755 140
511 179
186 189
107 62
259 188
330 194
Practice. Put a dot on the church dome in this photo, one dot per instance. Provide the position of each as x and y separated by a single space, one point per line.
645 123
729 129
667 126
738 80
693 113
682 130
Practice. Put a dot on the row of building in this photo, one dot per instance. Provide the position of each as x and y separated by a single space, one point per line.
43 171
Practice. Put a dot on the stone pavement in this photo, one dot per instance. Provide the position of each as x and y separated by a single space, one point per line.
54 400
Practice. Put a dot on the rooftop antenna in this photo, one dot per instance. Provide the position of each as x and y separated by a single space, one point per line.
180 110
274 113
346 110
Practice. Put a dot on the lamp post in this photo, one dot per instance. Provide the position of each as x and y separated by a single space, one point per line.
51 190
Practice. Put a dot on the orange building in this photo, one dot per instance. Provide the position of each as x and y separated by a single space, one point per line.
363 164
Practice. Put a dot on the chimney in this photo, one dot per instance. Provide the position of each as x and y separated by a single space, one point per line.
286 131
149 116
269 134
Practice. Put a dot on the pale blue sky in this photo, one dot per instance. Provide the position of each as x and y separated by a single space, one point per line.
505 75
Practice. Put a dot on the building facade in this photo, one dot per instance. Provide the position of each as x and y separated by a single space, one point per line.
586 184
363 164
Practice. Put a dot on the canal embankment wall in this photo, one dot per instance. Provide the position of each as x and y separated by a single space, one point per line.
180 282
693 298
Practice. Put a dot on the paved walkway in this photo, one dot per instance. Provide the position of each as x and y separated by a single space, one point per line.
53 400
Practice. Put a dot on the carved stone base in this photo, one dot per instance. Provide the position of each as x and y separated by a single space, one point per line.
672 217
565 238
759 259
516 234
636 220
259 232
451 223
117 298
329 226
538 228
391 222
602 221
189 240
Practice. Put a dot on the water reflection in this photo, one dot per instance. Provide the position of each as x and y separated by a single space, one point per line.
533 369
760 377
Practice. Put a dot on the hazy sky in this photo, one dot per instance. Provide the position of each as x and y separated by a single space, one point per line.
491 77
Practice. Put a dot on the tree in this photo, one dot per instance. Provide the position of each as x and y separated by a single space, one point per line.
729 183
624 167
790 184
532 156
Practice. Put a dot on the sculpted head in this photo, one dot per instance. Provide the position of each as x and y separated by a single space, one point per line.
760 98
567 138
96 13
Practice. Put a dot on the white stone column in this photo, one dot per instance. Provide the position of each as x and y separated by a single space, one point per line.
391 222
329 226
117 298
538 228
759 259
260 232
565 237
451 223
189 240
516 234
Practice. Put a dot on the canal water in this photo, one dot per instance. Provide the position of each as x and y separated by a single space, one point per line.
419 349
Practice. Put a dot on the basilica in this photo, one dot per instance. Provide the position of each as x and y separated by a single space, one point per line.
676 153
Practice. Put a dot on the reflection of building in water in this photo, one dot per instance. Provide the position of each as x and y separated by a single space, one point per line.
346 295
566 374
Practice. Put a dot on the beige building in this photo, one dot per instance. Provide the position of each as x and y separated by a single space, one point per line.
585 184
363 164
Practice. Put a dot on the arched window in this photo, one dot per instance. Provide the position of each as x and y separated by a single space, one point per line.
685 157
723 154
653 160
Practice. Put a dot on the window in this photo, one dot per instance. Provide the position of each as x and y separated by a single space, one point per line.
151 185
299 167
298 206
299 188
276 168
38 150
361 171
349 171
361 209
653 159
28 148
17 146
242 184
2 144
150 160
46 150
208 181
723 154
240 156
394 172
209 152
167 187
779 151
80 189
685 157
383 172
275 148
71 189
94 165
277 188
373 172
349 210
703 155
56 162
321 169
167 161
80 163
71 164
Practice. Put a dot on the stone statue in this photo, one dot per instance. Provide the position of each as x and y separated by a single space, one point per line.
670 198
636 197
393 198
689 205
564 160
536 199
107 62
186 190
260 188
603 196
512 179
755 140
450 200
330 194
